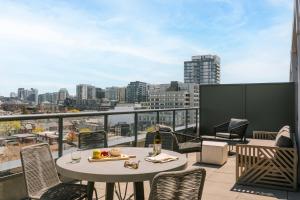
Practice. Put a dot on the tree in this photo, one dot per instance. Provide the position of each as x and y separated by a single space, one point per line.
10 127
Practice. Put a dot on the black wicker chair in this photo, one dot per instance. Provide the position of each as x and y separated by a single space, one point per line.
234 129
41 178
187 144
92 140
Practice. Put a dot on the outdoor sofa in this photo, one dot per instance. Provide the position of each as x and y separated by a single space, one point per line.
268 160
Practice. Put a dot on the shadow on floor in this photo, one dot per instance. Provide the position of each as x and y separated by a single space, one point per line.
279 194
207 165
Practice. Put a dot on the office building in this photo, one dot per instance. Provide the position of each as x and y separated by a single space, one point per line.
85 92
63 94
203 69
100 93
136 92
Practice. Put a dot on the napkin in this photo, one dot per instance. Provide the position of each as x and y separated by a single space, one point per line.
161 158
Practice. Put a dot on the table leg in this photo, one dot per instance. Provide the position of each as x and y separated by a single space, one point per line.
109 195
139 190
90 190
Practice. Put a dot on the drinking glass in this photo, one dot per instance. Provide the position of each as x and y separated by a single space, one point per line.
76 156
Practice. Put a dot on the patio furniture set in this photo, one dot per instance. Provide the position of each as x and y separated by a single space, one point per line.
262 162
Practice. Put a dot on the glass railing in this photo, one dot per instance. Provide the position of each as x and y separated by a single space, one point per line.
60 130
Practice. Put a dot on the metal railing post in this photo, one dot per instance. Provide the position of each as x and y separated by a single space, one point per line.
135 129
197 131
174 120
60 136
106 123
157 117
186 119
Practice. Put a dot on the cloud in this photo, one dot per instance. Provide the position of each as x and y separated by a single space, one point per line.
46 44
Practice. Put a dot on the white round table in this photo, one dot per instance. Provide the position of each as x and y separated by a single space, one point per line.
114 171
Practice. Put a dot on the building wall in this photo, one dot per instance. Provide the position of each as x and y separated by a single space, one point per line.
295 72
268 106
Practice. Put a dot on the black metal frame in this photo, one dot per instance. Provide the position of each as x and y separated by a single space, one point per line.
239 130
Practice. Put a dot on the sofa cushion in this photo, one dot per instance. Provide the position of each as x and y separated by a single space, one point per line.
284 129
226 135
283 139
235 123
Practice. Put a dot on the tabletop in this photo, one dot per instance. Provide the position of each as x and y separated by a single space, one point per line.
114 171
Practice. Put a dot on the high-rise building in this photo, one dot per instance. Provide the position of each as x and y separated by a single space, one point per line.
100 93
122 94
116 94
136 92
91 92
203 69
32 96
21 93
63 94
84 92
111 93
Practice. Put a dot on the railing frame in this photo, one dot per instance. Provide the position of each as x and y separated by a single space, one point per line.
61 116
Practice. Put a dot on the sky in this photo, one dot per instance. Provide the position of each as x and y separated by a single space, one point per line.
51 44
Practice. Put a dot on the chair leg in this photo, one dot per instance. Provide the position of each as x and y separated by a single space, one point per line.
96 194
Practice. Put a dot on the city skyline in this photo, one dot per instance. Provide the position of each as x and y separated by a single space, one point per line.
51 45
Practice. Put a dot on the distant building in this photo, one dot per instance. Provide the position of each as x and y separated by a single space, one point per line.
117 94
111 93
63 94
136 92
203 69
122 129
173 95
168 96
100 93
32 96
13 95
21 93
122 94
48 98
85 92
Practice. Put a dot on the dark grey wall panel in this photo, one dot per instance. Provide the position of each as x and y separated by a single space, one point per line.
270 106
218 103
267 106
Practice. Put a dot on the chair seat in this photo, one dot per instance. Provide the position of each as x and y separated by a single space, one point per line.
65 191
189 147
227 135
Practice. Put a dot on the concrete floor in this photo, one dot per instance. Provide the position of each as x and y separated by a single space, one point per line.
220 185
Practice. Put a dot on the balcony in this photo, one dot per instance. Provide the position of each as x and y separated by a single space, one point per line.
266 106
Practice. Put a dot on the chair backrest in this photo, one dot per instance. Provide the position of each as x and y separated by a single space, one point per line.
180 185
236 122
167 140
38 168
92 140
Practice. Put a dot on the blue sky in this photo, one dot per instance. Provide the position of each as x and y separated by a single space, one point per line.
54 44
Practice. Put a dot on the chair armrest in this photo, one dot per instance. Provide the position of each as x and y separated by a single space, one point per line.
264 135
221 127
181 137
239 129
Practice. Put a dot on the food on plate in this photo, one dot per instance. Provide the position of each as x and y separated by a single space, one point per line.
96 154
115 152
104 154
